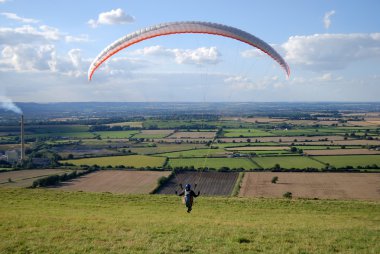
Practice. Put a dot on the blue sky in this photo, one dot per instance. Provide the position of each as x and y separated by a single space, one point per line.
332 48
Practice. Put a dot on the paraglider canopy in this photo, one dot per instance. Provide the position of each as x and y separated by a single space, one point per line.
186 27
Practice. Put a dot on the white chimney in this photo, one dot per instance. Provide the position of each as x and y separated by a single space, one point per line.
22 139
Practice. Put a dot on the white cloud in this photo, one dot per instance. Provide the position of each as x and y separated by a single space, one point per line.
28 34
245 83
2 1
198 56
252 53
79 38
14 16
116 16
327 18
28 58
331 51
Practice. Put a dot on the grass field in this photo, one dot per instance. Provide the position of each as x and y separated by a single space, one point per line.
63 135
163 148
350 160
230 133
128 161
287 162
116 134
213 163
196 153
77 222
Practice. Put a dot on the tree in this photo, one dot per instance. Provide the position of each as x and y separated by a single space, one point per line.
274 179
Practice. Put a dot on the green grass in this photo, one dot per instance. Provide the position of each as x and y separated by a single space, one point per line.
350 160
194 153
287 162
141 135
238 144
231 133
51 221
163 148
63 134
116 134
213 163
136 161
324 147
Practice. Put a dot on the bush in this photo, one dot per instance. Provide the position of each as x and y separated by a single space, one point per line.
162 180
288 195
274 179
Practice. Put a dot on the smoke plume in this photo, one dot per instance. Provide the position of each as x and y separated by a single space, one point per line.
7 104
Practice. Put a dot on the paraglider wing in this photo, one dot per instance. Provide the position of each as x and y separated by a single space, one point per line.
185 27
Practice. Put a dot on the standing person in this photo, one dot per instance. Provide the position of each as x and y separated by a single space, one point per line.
188 194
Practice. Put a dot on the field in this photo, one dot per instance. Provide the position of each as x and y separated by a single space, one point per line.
164 148
313 185
128 161
258 148
212 163
51 221
208 183
153 134
193 134
352 160
25 178
116 181
196 153
341 152
287 162
116 134
246 133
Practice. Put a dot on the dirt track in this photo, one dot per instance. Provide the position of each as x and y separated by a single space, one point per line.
115 181
365 186
208 183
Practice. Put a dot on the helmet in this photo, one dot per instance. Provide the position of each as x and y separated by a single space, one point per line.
187 186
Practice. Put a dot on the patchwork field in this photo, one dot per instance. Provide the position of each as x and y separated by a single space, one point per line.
127 161
313 185
116 181
353 160
258 148
341 152
287 162
208 183
116 134
193 134
246 133
196 153
213 163
25 178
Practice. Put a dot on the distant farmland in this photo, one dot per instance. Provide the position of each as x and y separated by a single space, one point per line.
213 163
116 181
288 162
127 161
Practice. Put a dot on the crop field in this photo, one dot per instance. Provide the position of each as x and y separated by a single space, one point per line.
352 160
213 163
116 181
208 183
229 133
63 135
163 148
196 153
51 221
226 145
116 134
153 134
123 124
364 186
25 178
342 152
258 148
287 162
136 161
193 134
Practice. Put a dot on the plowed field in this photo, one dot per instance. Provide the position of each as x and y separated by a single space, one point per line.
313 185
115 181
208 183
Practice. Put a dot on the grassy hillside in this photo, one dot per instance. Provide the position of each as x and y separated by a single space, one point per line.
51 221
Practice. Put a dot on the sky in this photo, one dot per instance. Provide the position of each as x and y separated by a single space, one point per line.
331 46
